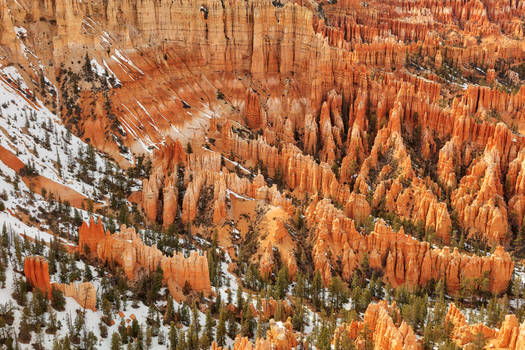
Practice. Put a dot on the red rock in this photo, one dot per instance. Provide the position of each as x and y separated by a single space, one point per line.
127 250
401 258
385 332
36 271
462 333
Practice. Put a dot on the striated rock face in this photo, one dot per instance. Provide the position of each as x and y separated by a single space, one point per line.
415 203
36 270
126 249
160 191
462 332
402 259
252 110
84 293
277 239
385 332
479 201
89 235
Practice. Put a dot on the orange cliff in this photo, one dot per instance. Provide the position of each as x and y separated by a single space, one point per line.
510 336
127 250
36 270
159 191
280 336
402 259
387 334
202 169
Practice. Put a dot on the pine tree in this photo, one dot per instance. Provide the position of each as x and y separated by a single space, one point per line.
106 311
239 299
135 328
24 333
195 324
210 323
324 337
479 342
221 328
38 303
281 284
123 331
149 336
173 337
247 322
300 287
170 312
161 338
2 274
317 285
115 341
232 326
58 301
88 275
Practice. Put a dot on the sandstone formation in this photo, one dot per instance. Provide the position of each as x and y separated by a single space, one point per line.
321 87
387 334
350 112
126 249
402 259
160 192
277 239
510 336
36 270
280 336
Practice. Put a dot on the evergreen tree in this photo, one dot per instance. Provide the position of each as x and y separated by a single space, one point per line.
195 324
106 311
247 322
232 326
161 338
123 331
479 342
338 293
221 328
324 337
115 341
88 275
210 323
24 332
240 299
2 274
317 285
282 282
173 337
58 301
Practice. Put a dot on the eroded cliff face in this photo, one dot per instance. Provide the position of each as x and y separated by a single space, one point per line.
402 259
260 114
299 76
126 249
386 333
280 336
36 270
510 336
